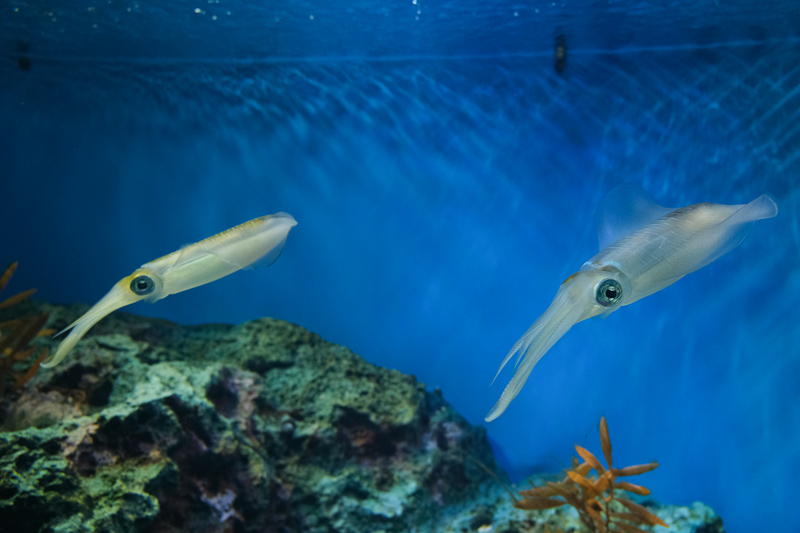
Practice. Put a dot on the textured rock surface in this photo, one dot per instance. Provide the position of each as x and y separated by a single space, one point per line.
151 426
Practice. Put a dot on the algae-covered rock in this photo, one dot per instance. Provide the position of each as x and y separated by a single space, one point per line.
152 426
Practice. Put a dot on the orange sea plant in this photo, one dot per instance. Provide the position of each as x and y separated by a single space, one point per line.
599 499
15 335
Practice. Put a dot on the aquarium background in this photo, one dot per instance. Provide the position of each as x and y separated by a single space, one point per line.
445 179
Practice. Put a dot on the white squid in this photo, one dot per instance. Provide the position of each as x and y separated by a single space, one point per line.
255 243
643 248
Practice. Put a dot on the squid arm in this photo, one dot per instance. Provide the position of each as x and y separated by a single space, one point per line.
644 248
252 244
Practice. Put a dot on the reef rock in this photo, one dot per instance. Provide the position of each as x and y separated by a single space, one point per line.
264 426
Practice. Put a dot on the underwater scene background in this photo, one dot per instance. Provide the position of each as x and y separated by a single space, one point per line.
445 179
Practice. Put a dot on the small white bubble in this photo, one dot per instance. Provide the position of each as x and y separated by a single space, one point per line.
227 12
414 2
214 17
198 10
419 12
516 13
311 17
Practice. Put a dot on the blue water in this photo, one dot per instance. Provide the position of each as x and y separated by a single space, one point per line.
445 180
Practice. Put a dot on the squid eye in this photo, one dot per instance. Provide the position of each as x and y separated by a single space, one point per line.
142 285
609 293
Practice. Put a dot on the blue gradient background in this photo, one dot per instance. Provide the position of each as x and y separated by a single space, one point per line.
445 181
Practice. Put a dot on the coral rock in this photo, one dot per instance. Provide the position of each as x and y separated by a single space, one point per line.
150 426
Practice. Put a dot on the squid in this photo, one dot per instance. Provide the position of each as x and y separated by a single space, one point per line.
253 244
643 248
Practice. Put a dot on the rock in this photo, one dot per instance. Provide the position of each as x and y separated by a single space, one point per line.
152 426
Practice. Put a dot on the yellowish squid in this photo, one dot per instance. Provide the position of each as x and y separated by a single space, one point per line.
255 243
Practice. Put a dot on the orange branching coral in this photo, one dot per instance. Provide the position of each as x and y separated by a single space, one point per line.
15 335
596 498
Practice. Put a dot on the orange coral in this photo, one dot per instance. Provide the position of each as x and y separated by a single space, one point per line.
15 335
595 497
